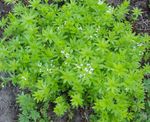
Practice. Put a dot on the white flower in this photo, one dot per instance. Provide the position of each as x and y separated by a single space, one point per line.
91 69
67 55
110 9
80 76
141 53
97 29
66 63
86 69
91 37
134 47
49 70
39 64
65 22
80 28
62 51
100 2
58 28
81 65
40 70
24 78
90 72
139 44
78 66
95 35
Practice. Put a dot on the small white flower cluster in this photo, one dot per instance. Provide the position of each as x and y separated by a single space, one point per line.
47 69
80 28
140 44
110 9
23 78
81 75
134 47
65 63
40 65
52 65
2 85
62 51
91 37
58 28
88 69
97 32
79 66
141 53
95 35
97 29
100 2
65 22
65 54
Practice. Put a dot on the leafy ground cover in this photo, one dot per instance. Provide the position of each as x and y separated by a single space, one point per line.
68 89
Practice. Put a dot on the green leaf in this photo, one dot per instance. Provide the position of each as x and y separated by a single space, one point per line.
76 100
136 12
34 115
61 106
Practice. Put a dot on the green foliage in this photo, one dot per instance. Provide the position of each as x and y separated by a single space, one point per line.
144 115
61 106
82 54
10 1
28 108
76 100
136 13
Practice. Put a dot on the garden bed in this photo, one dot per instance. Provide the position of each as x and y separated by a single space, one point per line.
8 107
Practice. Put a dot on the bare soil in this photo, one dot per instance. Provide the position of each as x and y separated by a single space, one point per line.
8 107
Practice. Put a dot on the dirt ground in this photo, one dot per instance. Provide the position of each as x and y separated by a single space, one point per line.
142 25
8 106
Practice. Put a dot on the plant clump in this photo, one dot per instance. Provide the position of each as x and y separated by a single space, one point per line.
83 54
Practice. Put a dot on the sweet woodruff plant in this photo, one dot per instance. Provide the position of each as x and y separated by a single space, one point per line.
82 54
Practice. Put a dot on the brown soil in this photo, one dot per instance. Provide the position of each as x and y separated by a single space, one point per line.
142 25
4 9
8 108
